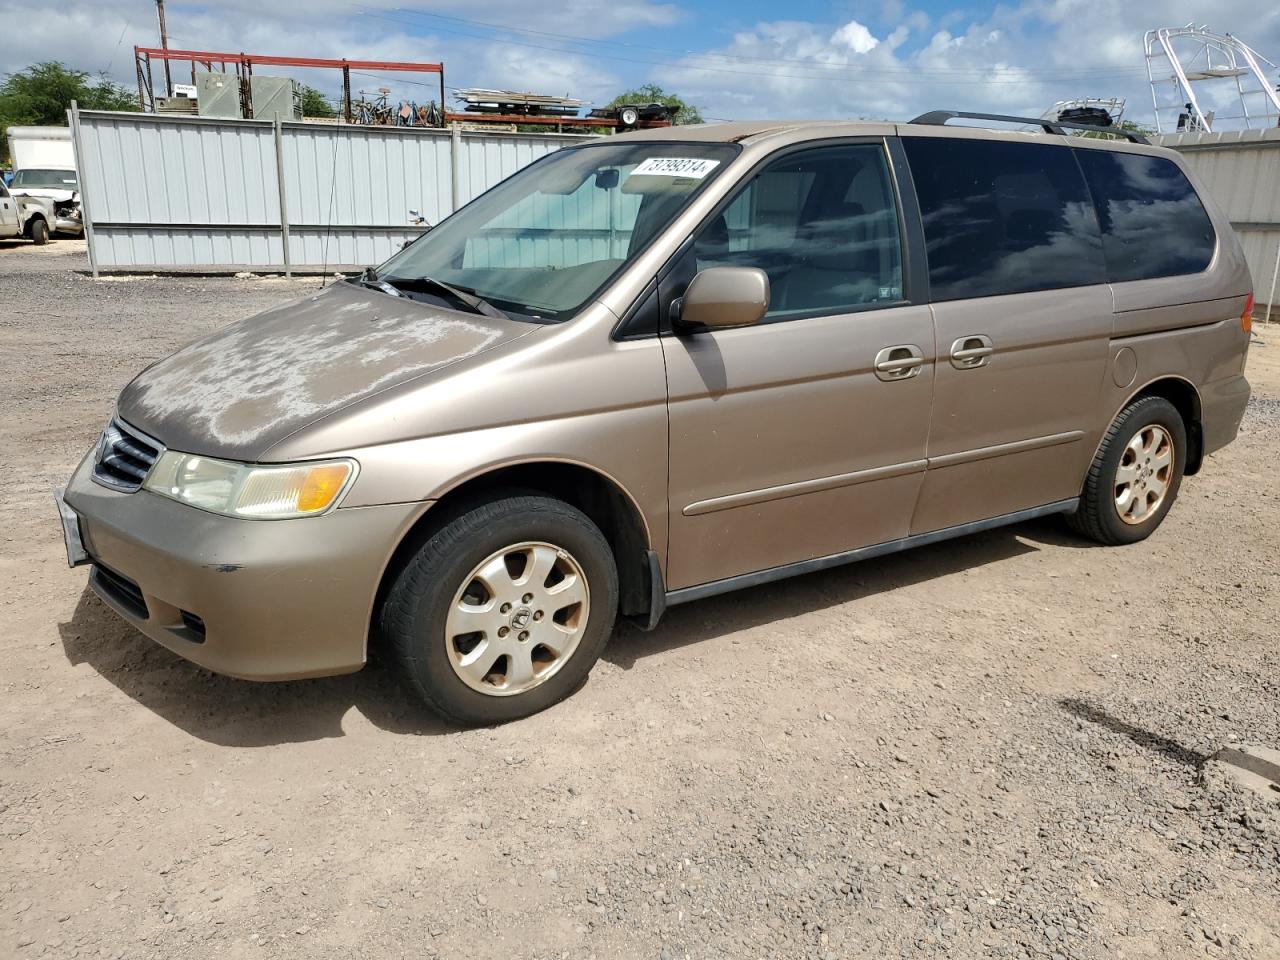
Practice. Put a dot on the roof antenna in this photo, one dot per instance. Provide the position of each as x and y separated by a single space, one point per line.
328 225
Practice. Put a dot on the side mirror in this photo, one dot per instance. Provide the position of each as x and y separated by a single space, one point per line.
726 297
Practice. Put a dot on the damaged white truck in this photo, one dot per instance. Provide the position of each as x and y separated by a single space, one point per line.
24 216
44 168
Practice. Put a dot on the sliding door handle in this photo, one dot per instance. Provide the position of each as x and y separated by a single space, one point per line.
971 351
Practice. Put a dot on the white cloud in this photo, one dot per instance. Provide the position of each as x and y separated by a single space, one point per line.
856 37
1016 59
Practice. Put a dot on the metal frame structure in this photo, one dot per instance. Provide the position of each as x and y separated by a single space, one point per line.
245 62
480 120
1207 56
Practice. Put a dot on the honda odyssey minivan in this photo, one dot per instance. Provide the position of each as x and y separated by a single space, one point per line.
661 366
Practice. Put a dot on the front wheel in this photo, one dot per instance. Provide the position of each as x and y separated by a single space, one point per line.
39 233
1135 474
503 611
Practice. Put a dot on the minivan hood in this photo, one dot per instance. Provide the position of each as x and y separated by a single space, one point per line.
247 386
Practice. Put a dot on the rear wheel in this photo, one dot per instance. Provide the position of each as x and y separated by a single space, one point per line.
1135 475
503 611
39 232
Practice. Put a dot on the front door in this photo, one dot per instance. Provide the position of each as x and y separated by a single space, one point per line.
8 214
802 436
1023 318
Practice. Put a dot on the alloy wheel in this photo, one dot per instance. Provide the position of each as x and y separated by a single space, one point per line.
1144 475
517 618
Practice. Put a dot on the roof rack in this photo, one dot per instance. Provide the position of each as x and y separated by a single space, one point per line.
939 118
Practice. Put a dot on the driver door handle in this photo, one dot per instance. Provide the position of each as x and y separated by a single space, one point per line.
900 362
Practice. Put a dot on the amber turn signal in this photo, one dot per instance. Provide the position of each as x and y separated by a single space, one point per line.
321 486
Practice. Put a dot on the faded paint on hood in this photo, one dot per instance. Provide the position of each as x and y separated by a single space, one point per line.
245 387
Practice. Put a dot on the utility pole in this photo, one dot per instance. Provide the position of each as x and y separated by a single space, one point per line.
164 43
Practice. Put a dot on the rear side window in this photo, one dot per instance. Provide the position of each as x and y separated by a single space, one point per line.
1153 223
1003 217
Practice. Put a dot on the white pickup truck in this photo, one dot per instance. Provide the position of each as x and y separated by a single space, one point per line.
44 166
23 216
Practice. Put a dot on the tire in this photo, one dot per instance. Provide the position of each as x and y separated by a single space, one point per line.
454 573
629 116
1131 485
39 232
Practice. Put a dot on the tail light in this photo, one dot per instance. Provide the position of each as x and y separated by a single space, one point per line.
1246 318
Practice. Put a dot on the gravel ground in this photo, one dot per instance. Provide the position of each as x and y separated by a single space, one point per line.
990 747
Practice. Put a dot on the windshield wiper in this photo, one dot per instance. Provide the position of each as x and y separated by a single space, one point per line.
470 298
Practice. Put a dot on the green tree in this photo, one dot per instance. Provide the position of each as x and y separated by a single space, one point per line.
41 94
315 104
652 93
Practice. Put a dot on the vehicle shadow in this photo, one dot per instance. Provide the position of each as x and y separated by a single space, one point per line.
230 712
239 713
701 620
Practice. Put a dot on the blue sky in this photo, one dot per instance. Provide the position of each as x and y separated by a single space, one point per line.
735 60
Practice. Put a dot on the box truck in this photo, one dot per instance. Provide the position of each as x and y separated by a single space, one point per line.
44 166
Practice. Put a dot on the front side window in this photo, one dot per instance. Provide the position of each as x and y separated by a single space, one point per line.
822 223
1153 223
1002 217
543 242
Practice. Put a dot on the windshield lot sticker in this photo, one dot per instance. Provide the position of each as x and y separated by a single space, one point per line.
689 167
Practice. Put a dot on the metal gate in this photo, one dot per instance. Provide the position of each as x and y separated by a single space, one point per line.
202 193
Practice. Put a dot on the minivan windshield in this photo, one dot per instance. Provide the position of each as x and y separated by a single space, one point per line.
543 242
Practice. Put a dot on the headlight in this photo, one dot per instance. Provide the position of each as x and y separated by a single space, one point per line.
252 491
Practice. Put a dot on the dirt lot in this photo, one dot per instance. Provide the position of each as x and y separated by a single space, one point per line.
991 747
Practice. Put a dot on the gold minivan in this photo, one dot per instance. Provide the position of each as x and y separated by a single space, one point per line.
662 366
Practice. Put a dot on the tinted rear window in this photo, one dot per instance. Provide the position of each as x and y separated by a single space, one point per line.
1153 223
1003 217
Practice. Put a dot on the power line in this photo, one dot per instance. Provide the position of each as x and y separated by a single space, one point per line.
127 24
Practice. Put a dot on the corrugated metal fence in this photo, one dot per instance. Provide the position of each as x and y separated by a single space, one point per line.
1241 170
197 192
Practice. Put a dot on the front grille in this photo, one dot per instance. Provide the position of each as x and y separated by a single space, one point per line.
121 589
124 457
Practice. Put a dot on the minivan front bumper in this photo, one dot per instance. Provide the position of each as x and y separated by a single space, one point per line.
255 599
